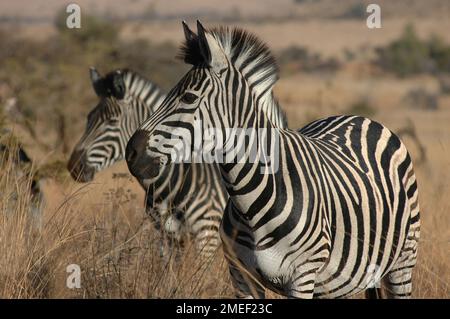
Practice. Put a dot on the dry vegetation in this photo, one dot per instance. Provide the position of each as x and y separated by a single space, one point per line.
101 226
111 240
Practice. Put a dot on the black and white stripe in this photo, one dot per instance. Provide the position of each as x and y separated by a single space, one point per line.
184 199
126 100
339 213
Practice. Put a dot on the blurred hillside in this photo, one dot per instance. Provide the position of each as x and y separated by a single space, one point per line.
40 11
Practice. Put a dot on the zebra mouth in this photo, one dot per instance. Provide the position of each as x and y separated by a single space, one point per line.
79 171
84 174
149 170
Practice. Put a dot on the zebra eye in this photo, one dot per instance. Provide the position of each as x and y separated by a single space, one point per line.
189 98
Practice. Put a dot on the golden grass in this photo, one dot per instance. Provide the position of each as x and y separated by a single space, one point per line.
114 244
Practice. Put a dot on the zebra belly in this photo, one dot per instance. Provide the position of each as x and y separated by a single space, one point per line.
359 273
266 266
331 284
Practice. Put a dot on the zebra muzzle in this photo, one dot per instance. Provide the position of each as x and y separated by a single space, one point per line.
79 170
140 163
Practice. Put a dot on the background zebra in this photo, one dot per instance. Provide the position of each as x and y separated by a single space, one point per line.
340 212
15 161
182 200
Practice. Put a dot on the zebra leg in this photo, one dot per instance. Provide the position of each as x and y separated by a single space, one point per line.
207 242
398 283
245 287
373 293
303 286
398 280
303 278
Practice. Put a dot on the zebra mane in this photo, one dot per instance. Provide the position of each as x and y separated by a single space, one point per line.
244 50
136 85
250 56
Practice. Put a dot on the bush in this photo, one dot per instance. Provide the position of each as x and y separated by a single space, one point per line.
406 55
410 55
439 53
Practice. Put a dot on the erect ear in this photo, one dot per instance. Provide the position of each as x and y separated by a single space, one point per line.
189 35
210 49
118 85
96 80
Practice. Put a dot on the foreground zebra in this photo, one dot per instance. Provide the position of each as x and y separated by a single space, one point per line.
184 198
339 213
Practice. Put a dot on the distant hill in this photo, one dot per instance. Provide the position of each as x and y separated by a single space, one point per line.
43 11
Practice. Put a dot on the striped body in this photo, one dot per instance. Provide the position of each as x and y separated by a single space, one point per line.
339 212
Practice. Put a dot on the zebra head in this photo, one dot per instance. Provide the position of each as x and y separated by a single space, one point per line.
231 71
109 125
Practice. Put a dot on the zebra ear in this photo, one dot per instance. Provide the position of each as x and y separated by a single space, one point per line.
118 86
189 35
96 80
210 49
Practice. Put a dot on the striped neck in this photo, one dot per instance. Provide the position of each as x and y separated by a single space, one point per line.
143 91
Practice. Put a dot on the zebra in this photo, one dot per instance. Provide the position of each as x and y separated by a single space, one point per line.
337 216
15 160
185 199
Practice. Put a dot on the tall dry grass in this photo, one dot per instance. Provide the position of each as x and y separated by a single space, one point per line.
114 243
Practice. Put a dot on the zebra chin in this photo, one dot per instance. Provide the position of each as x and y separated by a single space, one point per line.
79 171
140 164
84 174
145 170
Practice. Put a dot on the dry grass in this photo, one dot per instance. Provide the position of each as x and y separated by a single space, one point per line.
114 244
101 226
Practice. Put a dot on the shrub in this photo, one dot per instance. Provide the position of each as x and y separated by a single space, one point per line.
439 53
406 55
410 55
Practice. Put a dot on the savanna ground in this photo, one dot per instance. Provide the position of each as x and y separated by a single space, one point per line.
330 64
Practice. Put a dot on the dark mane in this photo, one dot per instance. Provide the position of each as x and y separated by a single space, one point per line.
242 49
124 81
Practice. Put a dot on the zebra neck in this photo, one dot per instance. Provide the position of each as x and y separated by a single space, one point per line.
274 163
270 112
260 154
243 169
144 94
